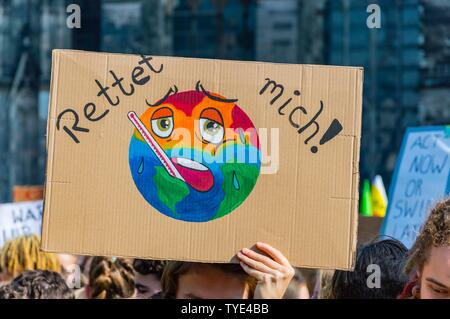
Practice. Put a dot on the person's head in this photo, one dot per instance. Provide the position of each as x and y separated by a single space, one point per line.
37 284
23 253
188 280
147 277
297 288
110 279
378 272
429 258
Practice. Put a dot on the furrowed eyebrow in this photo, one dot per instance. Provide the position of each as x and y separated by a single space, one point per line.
434 281
161 101
199 87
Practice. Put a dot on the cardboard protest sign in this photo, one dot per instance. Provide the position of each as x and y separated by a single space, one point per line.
20 219
421 177
193 159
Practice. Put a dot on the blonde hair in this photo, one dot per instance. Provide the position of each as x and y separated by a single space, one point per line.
325 278
23 253
111 279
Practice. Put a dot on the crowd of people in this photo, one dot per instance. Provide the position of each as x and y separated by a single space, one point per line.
384 268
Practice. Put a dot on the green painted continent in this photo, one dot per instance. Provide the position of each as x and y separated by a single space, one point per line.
170 190
239 180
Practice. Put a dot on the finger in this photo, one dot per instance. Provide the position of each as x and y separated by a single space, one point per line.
255 264
261 258
259 276
274 253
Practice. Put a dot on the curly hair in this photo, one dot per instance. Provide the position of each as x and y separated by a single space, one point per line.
146 267
435 232
23 253
37 284
110 279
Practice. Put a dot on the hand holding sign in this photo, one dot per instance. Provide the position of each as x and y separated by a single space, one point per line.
273 273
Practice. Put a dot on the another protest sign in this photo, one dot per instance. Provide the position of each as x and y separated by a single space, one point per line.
19 219
422 176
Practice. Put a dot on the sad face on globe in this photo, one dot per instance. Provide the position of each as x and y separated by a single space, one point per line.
194 155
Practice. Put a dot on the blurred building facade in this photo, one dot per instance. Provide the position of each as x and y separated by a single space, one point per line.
310 44
290 31
406 61
434 105
223 29
19 85
392 56
277 31
137 26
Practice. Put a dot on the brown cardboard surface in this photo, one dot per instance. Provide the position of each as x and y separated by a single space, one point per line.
306 205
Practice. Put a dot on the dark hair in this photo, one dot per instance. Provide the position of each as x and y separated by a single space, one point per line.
435 232
37 284
389 255
7 292
174 269
146 267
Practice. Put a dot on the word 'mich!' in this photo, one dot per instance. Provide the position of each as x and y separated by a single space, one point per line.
140 75
277 91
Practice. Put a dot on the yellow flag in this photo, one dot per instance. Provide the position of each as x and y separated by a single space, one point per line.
379 197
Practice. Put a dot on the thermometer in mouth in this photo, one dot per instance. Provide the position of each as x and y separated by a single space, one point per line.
155 147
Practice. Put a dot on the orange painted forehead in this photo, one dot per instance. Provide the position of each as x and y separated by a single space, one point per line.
212 113
192 104
162 112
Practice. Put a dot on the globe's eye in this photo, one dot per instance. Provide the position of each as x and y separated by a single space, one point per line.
163 126
211 131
